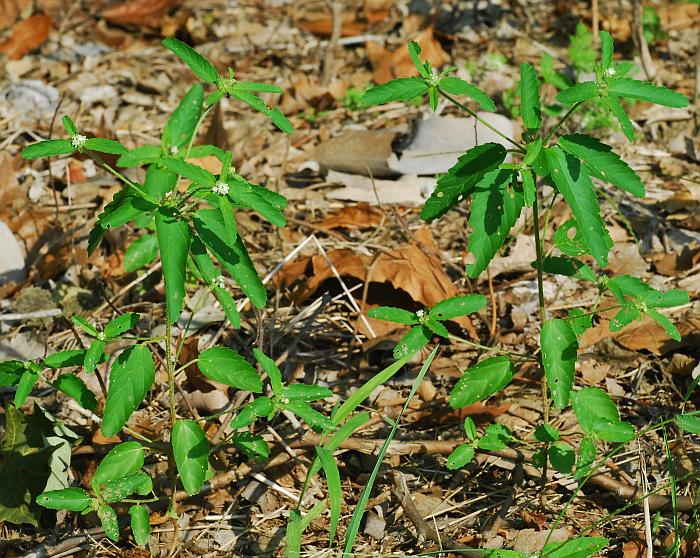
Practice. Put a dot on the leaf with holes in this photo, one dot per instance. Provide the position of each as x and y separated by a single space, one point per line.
559 346
457 306
461 456
73 499
482 380
123 460
417 338
191 450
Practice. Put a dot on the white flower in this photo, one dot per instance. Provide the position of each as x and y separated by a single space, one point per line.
78 140
220 282
420 313
173 150
610 72
220 188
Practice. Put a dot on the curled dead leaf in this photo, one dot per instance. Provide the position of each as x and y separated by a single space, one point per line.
142 13
27 35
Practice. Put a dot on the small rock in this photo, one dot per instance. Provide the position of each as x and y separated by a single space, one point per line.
374 525
12 268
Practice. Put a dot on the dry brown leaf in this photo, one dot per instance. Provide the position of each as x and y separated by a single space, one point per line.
321 24
359 216
675 16
389 65
143 13
364 152
377 11
10 11
27 35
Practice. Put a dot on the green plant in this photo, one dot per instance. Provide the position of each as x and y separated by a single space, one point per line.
499 192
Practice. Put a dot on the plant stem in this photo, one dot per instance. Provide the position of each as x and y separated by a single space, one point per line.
171 396
493 349
481 120
558 125
116 173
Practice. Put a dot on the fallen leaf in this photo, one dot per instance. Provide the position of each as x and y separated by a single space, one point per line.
377 11
357 217
389 65
10 10
27 35
634 549
142 13
674 16
409 190
364 152
321 24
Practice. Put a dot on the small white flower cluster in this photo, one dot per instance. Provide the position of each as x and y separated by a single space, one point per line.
173 150
420 313
610 72
220 282
220 188
78 140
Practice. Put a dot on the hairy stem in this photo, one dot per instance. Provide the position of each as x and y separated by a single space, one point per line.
558 125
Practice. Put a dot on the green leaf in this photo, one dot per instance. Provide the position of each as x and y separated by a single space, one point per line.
624 317
546 434
118 489
122 460
94 355
174 239
234 258
462 455
606 50
530 109
562 457
645 91
560 265
578 93
580 547
47 148
198 151
579 321
391 314
273 371
457 86
625 123
306 392
613 431
689 422
65 359
311 416
603 163
529 187
121 324
470 428
200 66
495 438
482 380
253 445
557 79
195 173
335 490
74 387
495 208
457 306
414 51
191 450
105 146
259 87
69 126
10 372
416 338
131 377
591 404
586 457
142 155
140 524
461 179
436 327
228 367
259 407
292 536
401 89
141 252
108 519
73 499
570 246
572 180
86 326
182 124
277 118
243 193
159 180
668 326
25 386
559 346
124 207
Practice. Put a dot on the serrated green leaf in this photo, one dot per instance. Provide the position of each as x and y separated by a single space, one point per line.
645 91
140 524
74 387
461 456
580 547
10 372
482 380
562 457
108 519
191 450
578 93
470 428
529 187
122 460
549 75
591 404
142 155
102 145
572 180
69 126
546 434
613 431
619 112
242 193
530 109
414 51
662 320
118 489
94 355
457 86
391 314
335 490
48 148
586 457
461 179
141 252
159 180
277 118
174 239
458 306
436 327
273 371
259 407
495 208
253 445
306 392
495 438
416 338
603 163
195 173
73 499
560 265
624 317
198 151
125 206
579 321
311 416
121 324
257 87
65 359
570 246
131 377
182 124
25 386
200 66
228 367
559 346
689 422
606 50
